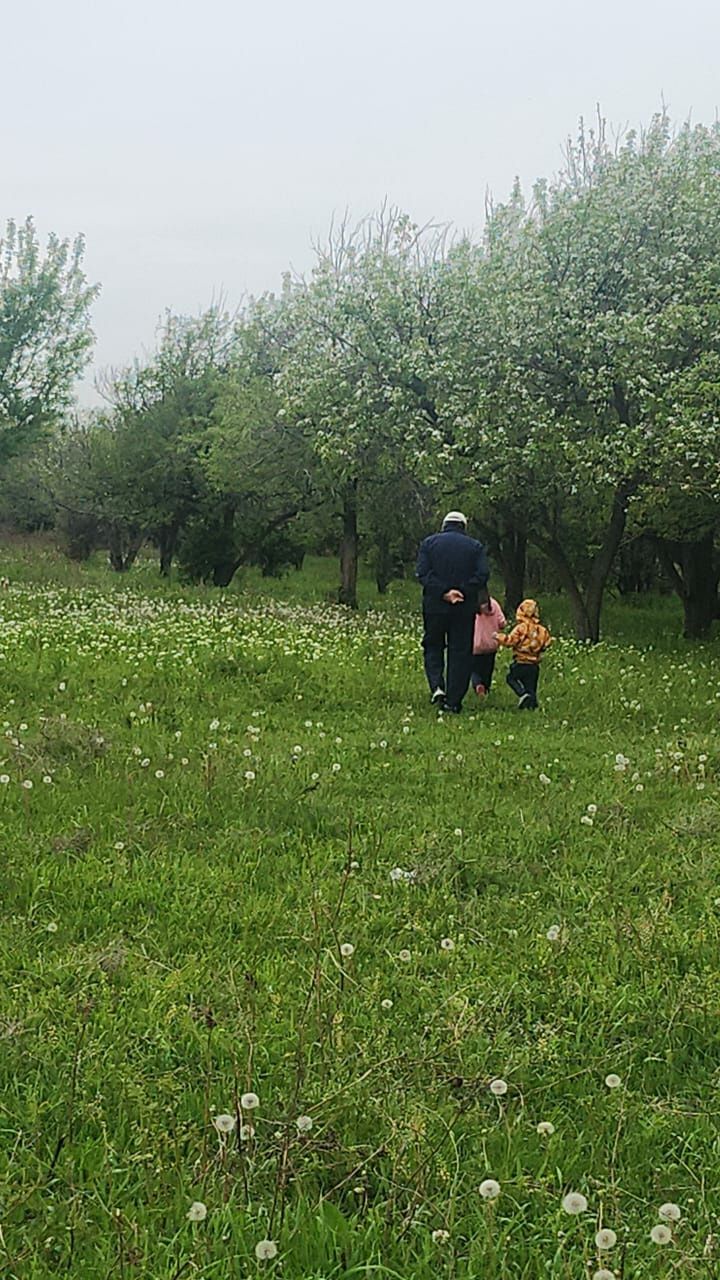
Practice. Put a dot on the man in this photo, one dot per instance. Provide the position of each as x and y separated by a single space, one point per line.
452 568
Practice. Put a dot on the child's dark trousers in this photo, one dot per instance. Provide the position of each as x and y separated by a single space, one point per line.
523 678
483 665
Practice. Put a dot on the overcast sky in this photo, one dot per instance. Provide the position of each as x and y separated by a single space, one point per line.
202 146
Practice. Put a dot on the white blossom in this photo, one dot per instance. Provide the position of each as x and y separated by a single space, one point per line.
670 1212
197 1212
249 1101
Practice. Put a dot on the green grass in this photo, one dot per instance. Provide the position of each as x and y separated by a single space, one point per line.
233 780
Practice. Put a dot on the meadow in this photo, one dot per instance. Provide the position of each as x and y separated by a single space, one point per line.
299 980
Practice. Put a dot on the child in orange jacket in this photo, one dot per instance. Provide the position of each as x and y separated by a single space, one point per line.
528 640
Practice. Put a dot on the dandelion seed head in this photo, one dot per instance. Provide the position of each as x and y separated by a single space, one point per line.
197 1212
265 1250
546 1128
606 1238
304 1124
224 1123
347 949
574 1202
489 1189
670 1212
404 955
249 1101
553 933
498 1087
612 1081
661 1234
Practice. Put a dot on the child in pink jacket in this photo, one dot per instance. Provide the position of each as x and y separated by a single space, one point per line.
489 619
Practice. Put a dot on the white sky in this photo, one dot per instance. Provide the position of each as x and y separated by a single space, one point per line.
201 146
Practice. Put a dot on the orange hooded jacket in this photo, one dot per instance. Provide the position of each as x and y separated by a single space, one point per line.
529 638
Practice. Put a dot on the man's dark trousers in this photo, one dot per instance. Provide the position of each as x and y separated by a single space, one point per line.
451 629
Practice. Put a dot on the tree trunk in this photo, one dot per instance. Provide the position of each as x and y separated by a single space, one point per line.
553 550
693 573
603 561
506 541
167 542
383 566
123 548
347 593
512 554
227 562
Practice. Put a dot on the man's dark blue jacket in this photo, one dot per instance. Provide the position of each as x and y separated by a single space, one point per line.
447 560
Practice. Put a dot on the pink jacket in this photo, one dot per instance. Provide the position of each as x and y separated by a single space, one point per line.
486 624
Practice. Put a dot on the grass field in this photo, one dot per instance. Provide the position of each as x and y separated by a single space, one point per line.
242 857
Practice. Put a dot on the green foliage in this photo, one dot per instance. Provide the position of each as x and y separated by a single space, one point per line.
45 335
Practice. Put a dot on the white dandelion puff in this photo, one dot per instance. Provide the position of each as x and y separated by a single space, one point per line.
553 933
304 1124
346 950
489 1189
498 1088
661 1234
265 1250
574 1202
612 1081
447 944
440 1236
546 1128
606 1238
404 955
603 1274
386 1004
249 1101
246 1132
224 1123
670 1212
197 1212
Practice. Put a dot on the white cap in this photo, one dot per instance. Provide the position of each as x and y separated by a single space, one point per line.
455 517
